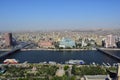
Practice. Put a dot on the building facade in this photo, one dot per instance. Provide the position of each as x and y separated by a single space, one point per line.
45 44
8 39
67 43
110 41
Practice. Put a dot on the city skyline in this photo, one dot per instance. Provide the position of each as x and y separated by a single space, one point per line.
18 15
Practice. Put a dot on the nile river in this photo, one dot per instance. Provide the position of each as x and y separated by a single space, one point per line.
36 56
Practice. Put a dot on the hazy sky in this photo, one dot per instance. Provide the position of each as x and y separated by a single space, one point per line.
58 14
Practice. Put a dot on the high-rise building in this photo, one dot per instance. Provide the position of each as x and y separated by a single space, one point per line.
8 39
110 41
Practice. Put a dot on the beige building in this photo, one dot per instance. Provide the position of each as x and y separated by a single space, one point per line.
60 72
110 41
96 77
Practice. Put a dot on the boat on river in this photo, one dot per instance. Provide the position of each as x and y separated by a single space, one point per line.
80 62
10 61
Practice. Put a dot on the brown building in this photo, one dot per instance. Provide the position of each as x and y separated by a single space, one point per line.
45 44
8 39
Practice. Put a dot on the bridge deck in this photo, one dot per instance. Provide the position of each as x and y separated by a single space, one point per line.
13 50
108 53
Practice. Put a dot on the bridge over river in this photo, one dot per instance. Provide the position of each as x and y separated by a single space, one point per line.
107 52
17 48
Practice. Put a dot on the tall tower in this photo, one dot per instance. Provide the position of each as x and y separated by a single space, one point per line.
110 41
8 39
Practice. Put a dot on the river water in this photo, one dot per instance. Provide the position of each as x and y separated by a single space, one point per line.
36 56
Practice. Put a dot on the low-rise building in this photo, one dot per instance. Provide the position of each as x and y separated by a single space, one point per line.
60 72
45 44
96 77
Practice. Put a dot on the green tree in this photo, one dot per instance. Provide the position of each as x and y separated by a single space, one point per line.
66 67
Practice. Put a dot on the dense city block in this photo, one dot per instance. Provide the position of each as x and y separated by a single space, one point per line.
62 39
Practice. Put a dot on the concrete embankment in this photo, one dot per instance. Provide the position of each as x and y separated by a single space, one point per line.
56 49
109 49
5 49
105 51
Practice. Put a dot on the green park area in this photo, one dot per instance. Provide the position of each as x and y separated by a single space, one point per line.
51 72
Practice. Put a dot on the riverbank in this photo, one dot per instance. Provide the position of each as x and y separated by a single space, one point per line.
5 49
61 49
110 49
55 49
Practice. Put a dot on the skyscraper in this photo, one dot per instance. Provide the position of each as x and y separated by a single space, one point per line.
110 41
8 39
